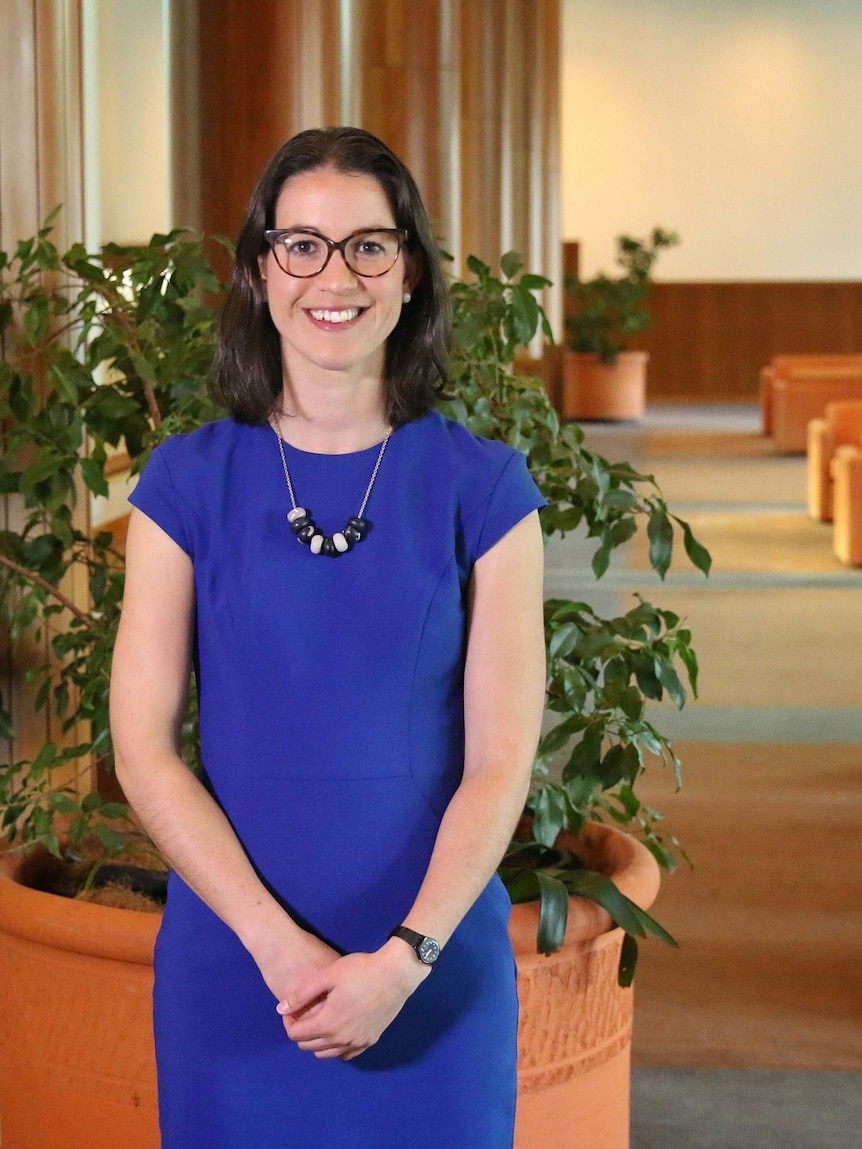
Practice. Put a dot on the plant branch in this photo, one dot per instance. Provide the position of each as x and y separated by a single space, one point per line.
43 584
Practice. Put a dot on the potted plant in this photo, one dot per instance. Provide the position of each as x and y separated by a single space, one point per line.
575 1034
602 379
102 356
123 339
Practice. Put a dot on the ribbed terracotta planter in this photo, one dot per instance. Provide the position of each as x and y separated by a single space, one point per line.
576 1023
77 1066
596 390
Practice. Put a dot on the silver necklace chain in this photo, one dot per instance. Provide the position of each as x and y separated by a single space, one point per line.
303 524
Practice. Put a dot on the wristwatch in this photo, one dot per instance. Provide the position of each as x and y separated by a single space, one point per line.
427 949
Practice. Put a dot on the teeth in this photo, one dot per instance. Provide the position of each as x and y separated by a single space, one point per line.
344 316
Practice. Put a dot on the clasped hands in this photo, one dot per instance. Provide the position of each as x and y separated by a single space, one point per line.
343 1007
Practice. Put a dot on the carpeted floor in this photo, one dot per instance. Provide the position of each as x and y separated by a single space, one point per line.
753 1109
767 979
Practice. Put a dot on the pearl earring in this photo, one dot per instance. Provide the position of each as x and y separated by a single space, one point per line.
407 297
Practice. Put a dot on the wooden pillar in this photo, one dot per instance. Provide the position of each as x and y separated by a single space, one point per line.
41 118
410 83
264 74
41 166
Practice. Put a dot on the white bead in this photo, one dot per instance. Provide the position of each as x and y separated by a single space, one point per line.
315 544
340 542
295 514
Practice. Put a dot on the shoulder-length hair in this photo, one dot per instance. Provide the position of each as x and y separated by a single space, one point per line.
247 368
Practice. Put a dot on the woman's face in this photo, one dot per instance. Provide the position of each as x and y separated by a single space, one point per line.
337 320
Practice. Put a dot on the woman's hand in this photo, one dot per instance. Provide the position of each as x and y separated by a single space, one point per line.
343 1009
290 961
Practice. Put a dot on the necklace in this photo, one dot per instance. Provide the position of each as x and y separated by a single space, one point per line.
303 525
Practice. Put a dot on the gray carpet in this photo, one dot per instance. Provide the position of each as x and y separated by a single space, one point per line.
745 1109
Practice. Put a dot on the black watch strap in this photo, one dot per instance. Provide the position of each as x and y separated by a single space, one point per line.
425 948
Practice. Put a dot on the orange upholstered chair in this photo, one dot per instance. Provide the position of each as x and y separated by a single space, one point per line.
847 500
840 426
798 399
821 370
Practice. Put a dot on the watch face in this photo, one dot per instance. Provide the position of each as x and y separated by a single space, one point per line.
428 951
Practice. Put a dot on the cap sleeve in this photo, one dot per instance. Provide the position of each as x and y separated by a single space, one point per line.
511 499
155 495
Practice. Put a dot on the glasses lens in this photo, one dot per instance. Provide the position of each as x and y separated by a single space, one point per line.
372 252
300 253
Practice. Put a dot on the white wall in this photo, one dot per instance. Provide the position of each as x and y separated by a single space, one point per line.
736 122
127 119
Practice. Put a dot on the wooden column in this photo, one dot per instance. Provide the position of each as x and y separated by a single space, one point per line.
410 83
41 166
264 74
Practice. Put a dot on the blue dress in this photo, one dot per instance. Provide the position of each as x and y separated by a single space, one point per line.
331 705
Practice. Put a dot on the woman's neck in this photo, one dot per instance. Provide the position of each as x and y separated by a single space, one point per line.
332 419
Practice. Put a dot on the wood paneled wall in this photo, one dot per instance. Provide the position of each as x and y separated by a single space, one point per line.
466 91
709 340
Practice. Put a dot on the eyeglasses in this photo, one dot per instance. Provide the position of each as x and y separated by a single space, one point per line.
370 252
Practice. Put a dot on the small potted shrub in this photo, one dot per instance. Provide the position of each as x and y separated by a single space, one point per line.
602 379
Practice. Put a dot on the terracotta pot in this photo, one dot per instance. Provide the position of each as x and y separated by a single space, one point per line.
596 390
77 1066
576 1023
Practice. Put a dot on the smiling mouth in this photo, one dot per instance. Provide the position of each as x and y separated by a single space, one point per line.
345 315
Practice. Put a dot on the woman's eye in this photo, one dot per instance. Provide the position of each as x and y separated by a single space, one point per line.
302 246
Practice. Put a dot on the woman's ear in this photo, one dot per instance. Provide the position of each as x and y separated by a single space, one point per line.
412 270
261 263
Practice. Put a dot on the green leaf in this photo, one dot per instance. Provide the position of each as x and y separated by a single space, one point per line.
63 804
94 476
46 757
113 841
553 913
510 264
698 553
628 961
114 810
660 534
92 802
669 679
479 268
534 282
602 557
564 640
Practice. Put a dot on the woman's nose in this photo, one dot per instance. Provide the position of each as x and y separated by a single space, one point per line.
337 275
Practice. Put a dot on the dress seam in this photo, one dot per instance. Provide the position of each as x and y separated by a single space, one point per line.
437 814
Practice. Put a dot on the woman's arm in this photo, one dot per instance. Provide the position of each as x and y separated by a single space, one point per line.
504 690
149 688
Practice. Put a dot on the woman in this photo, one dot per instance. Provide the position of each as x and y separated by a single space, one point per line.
370 699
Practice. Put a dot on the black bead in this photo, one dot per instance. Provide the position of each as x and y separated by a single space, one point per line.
297 524
329 547
306 533
352 535
360 527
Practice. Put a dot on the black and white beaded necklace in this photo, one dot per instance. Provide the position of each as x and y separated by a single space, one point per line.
303 525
